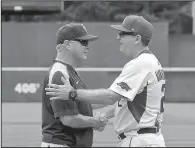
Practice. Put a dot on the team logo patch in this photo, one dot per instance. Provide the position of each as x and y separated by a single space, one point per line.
124 85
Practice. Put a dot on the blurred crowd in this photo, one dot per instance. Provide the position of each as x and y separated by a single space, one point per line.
177 13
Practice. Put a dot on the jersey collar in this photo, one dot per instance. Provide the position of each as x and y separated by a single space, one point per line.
69 66
145 50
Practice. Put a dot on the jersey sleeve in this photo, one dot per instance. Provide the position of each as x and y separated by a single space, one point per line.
131 81
62 107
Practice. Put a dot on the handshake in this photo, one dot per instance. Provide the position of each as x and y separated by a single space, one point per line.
102 121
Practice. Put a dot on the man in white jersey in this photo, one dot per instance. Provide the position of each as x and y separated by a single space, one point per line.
138 92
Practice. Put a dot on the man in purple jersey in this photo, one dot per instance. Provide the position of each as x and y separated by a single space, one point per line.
67 123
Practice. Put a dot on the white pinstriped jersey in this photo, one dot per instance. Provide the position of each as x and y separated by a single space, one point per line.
142 83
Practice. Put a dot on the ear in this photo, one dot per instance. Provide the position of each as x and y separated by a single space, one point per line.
59 47
67 44
138 39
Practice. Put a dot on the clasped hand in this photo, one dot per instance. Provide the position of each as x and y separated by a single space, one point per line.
62 92
103 121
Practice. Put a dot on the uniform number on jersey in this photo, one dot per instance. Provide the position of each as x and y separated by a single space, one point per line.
119 105
162 99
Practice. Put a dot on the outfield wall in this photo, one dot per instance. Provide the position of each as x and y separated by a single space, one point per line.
27 86
33 45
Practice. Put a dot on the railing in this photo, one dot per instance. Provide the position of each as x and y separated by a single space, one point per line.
100 69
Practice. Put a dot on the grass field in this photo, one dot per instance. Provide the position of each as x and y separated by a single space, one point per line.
21 126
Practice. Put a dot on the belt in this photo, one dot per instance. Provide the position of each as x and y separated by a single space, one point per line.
141 131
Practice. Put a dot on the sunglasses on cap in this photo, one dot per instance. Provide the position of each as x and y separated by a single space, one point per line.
83 42
122 33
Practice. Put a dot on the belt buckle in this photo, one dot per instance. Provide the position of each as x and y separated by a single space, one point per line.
157 130
119 138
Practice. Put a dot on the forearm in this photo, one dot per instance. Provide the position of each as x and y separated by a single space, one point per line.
110 112
80 121
97 96
97 106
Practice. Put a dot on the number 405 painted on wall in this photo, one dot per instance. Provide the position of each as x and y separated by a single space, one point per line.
27 88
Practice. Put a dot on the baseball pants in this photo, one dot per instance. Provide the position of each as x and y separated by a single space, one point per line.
143 140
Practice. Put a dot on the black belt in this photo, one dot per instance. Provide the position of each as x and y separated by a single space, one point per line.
141 131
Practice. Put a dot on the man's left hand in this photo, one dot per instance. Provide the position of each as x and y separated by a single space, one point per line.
59 91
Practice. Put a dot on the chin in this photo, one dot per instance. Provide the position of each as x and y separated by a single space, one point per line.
85 58
82 60
121 50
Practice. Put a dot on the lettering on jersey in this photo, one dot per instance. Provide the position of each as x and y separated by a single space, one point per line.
124 85
119 105
160 75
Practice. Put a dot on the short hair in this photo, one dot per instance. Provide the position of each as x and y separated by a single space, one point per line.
145 40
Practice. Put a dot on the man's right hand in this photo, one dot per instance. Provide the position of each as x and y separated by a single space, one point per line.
103 121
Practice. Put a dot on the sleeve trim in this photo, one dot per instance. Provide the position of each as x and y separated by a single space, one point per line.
120 93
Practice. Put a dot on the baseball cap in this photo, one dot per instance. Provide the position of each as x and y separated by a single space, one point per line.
74 31
137 24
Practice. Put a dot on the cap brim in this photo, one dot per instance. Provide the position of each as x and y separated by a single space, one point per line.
88 37
120 28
